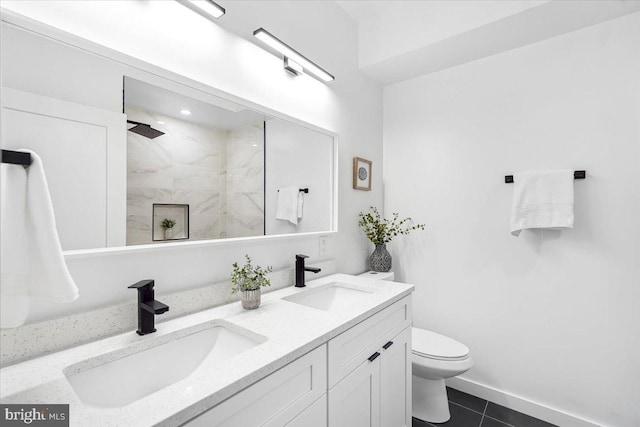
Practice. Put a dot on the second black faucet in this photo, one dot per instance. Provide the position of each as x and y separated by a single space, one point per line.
300 269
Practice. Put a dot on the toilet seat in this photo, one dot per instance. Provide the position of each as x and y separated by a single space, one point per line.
431 345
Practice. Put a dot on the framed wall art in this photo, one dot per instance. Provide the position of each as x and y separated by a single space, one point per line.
361 174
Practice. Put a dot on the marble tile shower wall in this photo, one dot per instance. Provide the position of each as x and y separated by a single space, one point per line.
188 165
245 181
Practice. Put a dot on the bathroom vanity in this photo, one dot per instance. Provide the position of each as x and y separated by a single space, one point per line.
336 353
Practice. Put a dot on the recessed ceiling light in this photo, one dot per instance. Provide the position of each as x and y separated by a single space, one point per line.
291 54
208 7
160 122
185 112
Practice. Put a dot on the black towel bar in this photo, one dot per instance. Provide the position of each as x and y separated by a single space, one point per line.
508 179
16 157
302 190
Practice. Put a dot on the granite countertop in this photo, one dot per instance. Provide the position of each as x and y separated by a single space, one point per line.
290 330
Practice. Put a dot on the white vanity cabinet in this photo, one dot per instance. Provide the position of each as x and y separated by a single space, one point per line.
294 395
370 371
362 377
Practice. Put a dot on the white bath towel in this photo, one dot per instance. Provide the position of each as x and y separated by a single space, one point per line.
289 205
32 264
542 200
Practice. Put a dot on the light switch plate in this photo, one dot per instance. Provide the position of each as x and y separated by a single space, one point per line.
323 245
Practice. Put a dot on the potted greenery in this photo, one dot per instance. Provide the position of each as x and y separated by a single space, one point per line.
168 225
381 231
248 280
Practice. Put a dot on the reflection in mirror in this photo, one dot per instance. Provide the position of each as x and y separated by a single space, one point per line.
110 157
184 151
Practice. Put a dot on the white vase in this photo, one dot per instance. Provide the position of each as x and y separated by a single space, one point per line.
168 233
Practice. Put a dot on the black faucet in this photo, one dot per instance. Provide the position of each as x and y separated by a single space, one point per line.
300 269
148 307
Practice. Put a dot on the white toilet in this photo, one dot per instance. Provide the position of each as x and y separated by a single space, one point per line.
434 357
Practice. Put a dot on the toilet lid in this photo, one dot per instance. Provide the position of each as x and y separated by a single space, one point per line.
436 346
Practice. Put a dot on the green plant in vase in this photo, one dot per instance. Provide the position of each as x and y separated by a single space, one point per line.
168 224
381 231
248 281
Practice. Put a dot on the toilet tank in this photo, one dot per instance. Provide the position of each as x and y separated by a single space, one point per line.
379 275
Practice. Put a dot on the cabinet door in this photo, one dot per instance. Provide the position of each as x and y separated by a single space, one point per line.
355 401
395 381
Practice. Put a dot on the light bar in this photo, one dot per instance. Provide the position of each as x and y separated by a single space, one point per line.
289 52
207 6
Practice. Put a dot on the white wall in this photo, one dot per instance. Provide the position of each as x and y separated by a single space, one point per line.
171 36
550 317
302 158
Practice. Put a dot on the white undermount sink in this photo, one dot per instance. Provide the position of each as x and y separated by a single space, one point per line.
335 296
139 370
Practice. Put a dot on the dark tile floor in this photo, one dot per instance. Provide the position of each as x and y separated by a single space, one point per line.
471 411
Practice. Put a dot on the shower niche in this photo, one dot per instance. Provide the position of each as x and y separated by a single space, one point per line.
170 222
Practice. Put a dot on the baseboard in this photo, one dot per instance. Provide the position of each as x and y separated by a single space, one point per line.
520 404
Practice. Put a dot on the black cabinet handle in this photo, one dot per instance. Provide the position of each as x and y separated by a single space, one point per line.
374 356
387 345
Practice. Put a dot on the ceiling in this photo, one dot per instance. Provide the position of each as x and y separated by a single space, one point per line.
389 28
400 40
224 115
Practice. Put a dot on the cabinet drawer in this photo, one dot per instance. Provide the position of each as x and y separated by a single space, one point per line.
349 349
274 400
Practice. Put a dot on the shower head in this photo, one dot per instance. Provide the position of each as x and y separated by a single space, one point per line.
144 130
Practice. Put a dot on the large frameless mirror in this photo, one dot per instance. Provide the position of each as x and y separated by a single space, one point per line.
134 157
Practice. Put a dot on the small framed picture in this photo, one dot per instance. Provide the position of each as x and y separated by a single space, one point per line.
361 174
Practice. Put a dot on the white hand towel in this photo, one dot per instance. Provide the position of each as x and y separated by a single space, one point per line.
300 204
542 200
288 207
31 254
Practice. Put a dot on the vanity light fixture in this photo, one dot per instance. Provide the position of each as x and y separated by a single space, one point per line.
294 62
208 7
292 66
185 112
